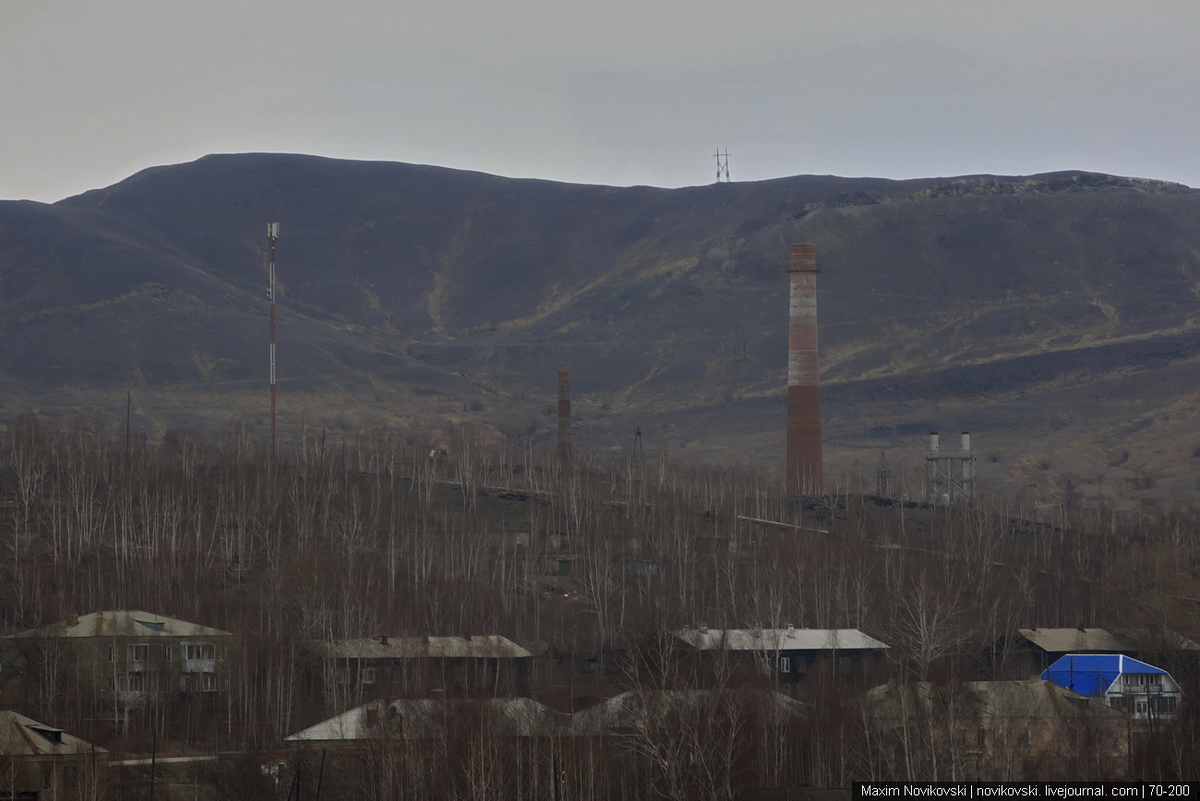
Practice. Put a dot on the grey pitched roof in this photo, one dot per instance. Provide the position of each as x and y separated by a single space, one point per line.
22 736
427 717
121 623
788 639
1075 640
491 646
1027 699
632 708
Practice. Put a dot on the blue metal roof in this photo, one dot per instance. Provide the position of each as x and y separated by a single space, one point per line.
1093 674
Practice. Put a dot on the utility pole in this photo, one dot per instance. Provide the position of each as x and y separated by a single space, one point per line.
272 235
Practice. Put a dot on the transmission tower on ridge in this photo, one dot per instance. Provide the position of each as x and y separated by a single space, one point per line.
722 164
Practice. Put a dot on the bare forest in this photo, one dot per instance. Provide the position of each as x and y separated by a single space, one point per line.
374 534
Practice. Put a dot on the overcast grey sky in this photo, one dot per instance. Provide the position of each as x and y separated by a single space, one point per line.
615 92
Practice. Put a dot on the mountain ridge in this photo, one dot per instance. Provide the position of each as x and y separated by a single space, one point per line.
438 297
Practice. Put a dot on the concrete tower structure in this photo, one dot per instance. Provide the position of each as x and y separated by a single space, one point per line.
804 456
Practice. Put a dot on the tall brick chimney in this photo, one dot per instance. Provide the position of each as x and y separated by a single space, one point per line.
804 457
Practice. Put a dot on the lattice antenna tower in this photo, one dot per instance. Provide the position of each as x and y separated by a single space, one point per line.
883 477
722 165
272 235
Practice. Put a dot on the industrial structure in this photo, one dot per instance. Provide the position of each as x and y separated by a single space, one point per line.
949 476
272 235
883 477
804 457
564 414
722 165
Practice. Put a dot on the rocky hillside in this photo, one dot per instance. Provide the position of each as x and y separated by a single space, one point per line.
1056 316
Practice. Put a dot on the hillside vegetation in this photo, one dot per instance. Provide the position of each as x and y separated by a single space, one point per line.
1056 316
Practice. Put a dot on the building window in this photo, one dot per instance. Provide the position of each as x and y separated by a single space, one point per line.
139 652
167 653
368 675
112 653
785 664
845 664
197 650
341 676
208 682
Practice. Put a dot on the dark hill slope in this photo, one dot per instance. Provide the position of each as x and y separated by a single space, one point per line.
407 292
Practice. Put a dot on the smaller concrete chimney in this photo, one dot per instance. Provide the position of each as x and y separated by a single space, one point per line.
933 441
966 441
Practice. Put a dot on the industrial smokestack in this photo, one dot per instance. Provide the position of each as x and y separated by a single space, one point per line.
564 415
804 459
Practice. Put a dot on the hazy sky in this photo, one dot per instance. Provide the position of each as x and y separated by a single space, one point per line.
617 92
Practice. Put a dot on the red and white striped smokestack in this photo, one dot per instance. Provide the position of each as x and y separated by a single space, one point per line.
564 414
804 458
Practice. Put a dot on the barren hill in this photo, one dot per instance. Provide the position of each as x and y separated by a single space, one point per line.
1056 316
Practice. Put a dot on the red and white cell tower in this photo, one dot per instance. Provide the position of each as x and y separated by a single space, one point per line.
272 235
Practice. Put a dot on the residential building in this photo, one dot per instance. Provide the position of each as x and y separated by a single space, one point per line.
684 743
995 731
384 666
122 656
455 748
791 653
1029 651
43 762
428 718
1121 682
634 712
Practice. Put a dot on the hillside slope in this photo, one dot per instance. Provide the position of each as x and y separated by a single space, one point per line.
1057 316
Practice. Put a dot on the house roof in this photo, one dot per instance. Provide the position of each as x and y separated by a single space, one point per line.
1027 699
1077 640
632 709
22 736
788 639
428 717
121 623
491 646
1083 640
1094 674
